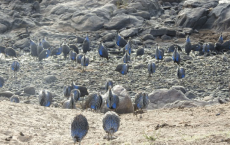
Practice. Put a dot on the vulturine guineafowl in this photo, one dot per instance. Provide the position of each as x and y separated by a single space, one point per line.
84 62
69 104
141 102
65 49
126 57
74 48
111 123
79 128
128 46
15 66
188 46
33 48
45 44
86 45
82 89
45 98
108 84
9 51
76 94
67 91
112 100
94 101
39 47
122 69
103 52
151 68
120 41
159 54
44 54
1 82
220 39
176 56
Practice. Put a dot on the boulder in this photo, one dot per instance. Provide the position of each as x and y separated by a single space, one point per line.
190 95
22 43
125 104
50 79
201 3
108 37
6 94
192 17
87 22
181 88
122 21
29 90
159 98
129 32
163 31
3 28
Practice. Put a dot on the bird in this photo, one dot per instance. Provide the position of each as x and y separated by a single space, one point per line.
196 47
180 72
79 56
56 51
44 54
45 98
33 48
73 56
128 47
86 45
69 104
94 101
112 100
151 68
74 48
188 46
122 69
79 128
67 91
159 55
205 48
76 94
1 82
103 52
141 102
45 44
111 123
220 39
39 47
84 62
120 41
83 90
14 99
126 57
9 51
15 66
108 83
176 57
65 49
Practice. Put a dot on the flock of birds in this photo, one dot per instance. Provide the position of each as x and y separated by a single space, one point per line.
94 101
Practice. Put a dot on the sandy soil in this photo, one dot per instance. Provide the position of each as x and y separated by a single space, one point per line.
32 124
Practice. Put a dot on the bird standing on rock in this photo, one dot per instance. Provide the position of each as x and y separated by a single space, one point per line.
111 123
79 128
112 100
45 98
141 102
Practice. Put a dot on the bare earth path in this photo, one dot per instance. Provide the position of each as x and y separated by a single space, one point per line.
32 124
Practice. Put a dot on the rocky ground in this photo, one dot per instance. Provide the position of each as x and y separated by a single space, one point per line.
148 22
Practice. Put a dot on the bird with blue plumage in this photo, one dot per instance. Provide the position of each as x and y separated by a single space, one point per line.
15 66
221 39
112 100
188 45
67 91
126 57
141 102
108 84
151 68
120 41
76 94
128 46
45 44
159 53
94 101
84 62
79 128
103 52
176 56
111 123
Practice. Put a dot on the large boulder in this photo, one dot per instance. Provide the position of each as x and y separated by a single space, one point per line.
87 22
201 3
125 104
163 31
219 18
159 98
122 21
192 17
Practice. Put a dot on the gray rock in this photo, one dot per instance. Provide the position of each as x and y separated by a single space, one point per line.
129 32
189 104
87 22
122 21
50 79
147 37
22 43
162 31
29 90
108 37
110 44
3 28
125 103
142 14
22 23
201 3
139 66
190 95
6 94
181 88
192 17
159 98
168 59
165 37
